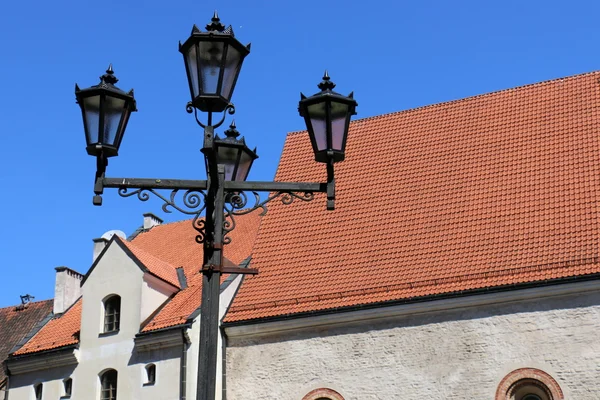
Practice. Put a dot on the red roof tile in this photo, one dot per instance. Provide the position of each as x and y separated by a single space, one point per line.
58 332
487 191
176 243
161 250
155 266
16 323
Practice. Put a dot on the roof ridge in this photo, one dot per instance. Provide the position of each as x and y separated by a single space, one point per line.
465 99
133 248
31 302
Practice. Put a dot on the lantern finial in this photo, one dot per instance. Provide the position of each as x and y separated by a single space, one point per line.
232 132
215 24
326 83
109 77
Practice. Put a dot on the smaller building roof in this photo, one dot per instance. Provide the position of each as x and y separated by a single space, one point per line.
160 250
17 322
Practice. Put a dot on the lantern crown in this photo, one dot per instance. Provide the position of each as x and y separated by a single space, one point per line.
233 153
213 60
105 110
216 25
327 116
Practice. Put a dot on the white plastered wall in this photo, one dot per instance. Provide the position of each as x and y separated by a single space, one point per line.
453 354
141 294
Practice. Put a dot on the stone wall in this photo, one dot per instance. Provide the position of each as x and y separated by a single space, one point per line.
454 354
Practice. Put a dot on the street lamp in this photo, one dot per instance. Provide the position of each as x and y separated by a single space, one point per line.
213 61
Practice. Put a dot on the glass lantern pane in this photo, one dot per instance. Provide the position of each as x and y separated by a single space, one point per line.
339 114
210 59
318 119
227 156
192 64
244 167
232 66
113 110
126 114
91 108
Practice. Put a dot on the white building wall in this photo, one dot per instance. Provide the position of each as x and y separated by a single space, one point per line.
452 354
140 295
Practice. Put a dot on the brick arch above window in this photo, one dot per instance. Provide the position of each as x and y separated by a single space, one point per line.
323 394
524 377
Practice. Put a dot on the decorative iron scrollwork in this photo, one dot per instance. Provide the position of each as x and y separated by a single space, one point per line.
230 109
237 204
193 202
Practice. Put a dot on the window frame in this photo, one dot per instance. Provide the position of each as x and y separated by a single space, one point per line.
112 384
523 382
323 393
150 368
111 315
67 384
40 387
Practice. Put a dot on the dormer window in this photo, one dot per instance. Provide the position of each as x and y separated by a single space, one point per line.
112 314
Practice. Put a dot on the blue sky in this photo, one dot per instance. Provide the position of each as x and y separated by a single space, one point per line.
393 54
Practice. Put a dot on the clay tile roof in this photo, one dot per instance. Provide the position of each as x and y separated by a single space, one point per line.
175 243
487 191
58 332
161 250
16 323
154 265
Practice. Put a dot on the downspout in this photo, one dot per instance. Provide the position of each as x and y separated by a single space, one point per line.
183 365
7 381
223 365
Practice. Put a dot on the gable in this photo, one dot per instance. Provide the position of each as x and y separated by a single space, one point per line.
145 261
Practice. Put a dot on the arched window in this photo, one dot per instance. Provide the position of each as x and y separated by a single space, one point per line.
112 314
529 384
323 394
108 385
37 389
150 374
68 387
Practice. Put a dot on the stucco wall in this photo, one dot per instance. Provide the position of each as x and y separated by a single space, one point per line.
115 273
454 354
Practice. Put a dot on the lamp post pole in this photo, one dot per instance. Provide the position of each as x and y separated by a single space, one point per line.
213 60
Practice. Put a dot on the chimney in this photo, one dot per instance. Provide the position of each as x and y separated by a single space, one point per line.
67 289
151 220
99 245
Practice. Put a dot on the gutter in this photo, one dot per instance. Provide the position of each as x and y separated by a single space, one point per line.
416 300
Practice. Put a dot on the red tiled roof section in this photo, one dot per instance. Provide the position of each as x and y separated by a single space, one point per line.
18 321
175 242
487 191
58 332
156 266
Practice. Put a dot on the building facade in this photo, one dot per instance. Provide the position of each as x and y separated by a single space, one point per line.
461 261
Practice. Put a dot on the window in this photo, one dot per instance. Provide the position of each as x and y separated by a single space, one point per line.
68 387
323 394
108 385
112 314
150 374
529 384
37 389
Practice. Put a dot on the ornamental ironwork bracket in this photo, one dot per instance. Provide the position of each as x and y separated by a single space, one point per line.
189 197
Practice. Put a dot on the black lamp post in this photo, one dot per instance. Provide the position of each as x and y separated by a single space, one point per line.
213 60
